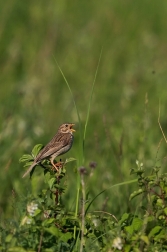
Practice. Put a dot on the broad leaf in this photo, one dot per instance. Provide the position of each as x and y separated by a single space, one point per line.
53 230
51 182
154 231
36 149
137 224
145 239
25 157
65 237
47 222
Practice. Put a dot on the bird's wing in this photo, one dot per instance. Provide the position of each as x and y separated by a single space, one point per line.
57 142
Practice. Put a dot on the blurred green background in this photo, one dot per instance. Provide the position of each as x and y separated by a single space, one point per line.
35 100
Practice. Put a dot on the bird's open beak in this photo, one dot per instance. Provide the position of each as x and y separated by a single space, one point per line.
72 130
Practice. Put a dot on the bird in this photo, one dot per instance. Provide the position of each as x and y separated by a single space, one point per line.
58 145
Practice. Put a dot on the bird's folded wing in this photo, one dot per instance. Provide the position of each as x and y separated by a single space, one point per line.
52 147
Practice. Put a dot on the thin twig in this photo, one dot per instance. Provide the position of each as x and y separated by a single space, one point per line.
57 192
40 242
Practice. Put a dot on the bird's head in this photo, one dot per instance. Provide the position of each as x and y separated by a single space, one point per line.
67 128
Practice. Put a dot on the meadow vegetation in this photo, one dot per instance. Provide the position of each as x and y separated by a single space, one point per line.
116 172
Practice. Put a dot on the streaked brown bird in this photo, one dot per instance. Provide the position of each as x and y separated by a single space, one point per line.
60 144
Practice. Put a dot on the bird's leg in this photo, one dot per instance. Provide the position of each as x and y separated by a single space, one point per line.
54 165
58 165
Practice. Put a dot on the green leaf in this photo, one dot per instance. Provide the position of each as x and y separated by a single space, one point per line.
155 231
165 210
161 235
9 238
28 164
136 193
137 224
36 149
44 191
37 211
159 213
127 248
25 157
145 239
53 230
51 182
66 236
124 218
160 203
47 222
129 229
47 177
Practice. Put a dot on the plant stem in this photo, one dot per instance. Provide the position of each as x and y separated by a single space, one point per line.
83 212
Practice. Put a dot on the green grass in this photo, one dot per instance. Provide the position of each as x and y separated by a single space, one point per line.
123 116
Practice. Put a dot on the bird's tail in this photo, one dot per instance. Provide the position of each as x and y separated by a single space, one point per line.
29 169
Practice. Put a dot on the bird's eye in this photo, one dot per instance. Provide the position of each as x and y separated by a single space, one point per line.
66 125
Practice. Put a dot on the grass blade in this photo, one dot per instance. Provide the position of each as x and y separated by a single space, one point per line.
90 99
119 184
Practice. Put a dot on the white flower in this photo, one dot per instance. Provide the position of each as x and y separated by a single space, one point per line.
117 243
31 208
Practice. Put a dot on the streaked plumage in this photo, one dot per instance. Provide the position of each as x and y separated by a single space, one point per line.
59 144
